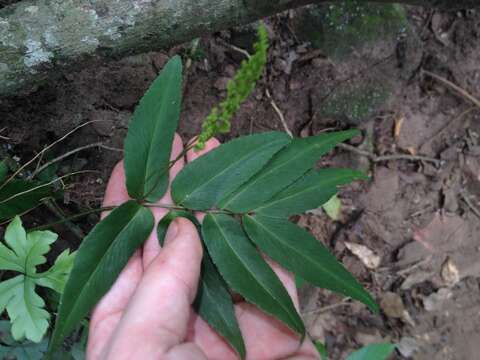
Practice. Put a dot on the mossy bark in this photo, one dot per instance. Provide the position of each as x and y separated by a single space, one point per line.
41 38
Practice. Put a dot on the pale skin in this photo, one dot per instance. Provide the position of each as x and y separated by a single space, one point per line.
148 313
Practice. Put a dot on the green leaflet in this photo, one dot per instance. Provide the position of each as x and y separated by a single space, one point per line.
245 271
24 350
17 295
19 196
213 302
203 183
150 135
322 350
299 252
333 207
310 192
164 223
285 167
56 277
100 259
373 352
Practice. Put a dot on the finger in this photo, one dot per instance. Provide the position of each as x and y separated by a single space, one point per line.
116 192
108 311
187 351
151 247
159 311
192 154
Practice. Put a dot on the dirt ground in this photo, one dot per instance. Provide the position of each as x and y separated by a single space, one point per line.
420 218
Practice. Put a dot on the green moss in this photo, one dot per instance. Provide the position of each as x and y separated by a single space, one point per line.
355 102
342 27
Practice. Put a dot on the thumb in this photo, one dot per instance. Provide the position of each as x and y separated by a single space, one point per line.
156 318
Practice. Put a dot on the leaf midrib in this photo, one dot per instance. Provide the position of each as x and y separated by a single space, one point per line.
96 268
252 273
306 189
151 141
311 260
261 177
209 292
28 304
248 154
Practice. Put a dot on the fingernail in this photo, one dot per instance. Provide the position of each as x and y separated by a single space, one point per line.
172 231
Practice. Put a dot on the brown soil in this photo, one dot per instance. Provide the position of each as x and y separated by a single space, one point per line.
421 219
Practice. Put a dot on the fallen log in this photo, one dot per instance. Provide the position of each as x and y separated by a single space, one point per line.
39 39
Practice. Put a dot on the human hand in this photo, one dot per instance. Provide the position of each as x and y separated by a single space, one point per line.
147 314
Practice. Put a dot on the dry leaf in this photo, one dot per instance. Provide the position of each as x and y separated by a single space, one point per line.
450 273
366 256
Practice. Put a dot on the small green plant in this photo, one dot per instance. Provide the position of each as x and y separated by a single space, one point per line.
247 187
22 254
12 349
18 196
380 351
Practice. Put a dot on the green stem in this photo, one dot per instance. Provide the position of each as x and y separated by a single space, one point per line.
164 206
159 175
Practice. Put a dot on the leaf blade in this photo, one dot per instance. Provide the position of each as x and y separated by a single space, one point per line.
98 262
213 301
203 183
150 135
27 314
56 277
310 192
373 352
299 252
215 305
19 196
24 306
245 271
285 167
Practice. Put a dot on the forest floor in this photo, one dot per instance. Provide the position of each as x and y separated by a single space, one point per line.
419 218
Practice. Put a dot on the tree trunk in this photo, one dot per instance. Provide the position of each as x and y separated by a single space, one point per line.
41 38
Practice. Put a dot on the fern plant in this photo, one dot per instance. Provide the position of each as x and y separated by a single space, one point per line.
22 254
247 187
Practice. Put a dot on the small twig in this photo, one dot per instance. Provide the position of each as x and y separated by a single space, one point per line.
344 302
46 149
415 266
448 125
3 137
106 147
457 88
85 213
376 159
39 162
470 204
279 113
71 226
43 185
236 48
61 157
